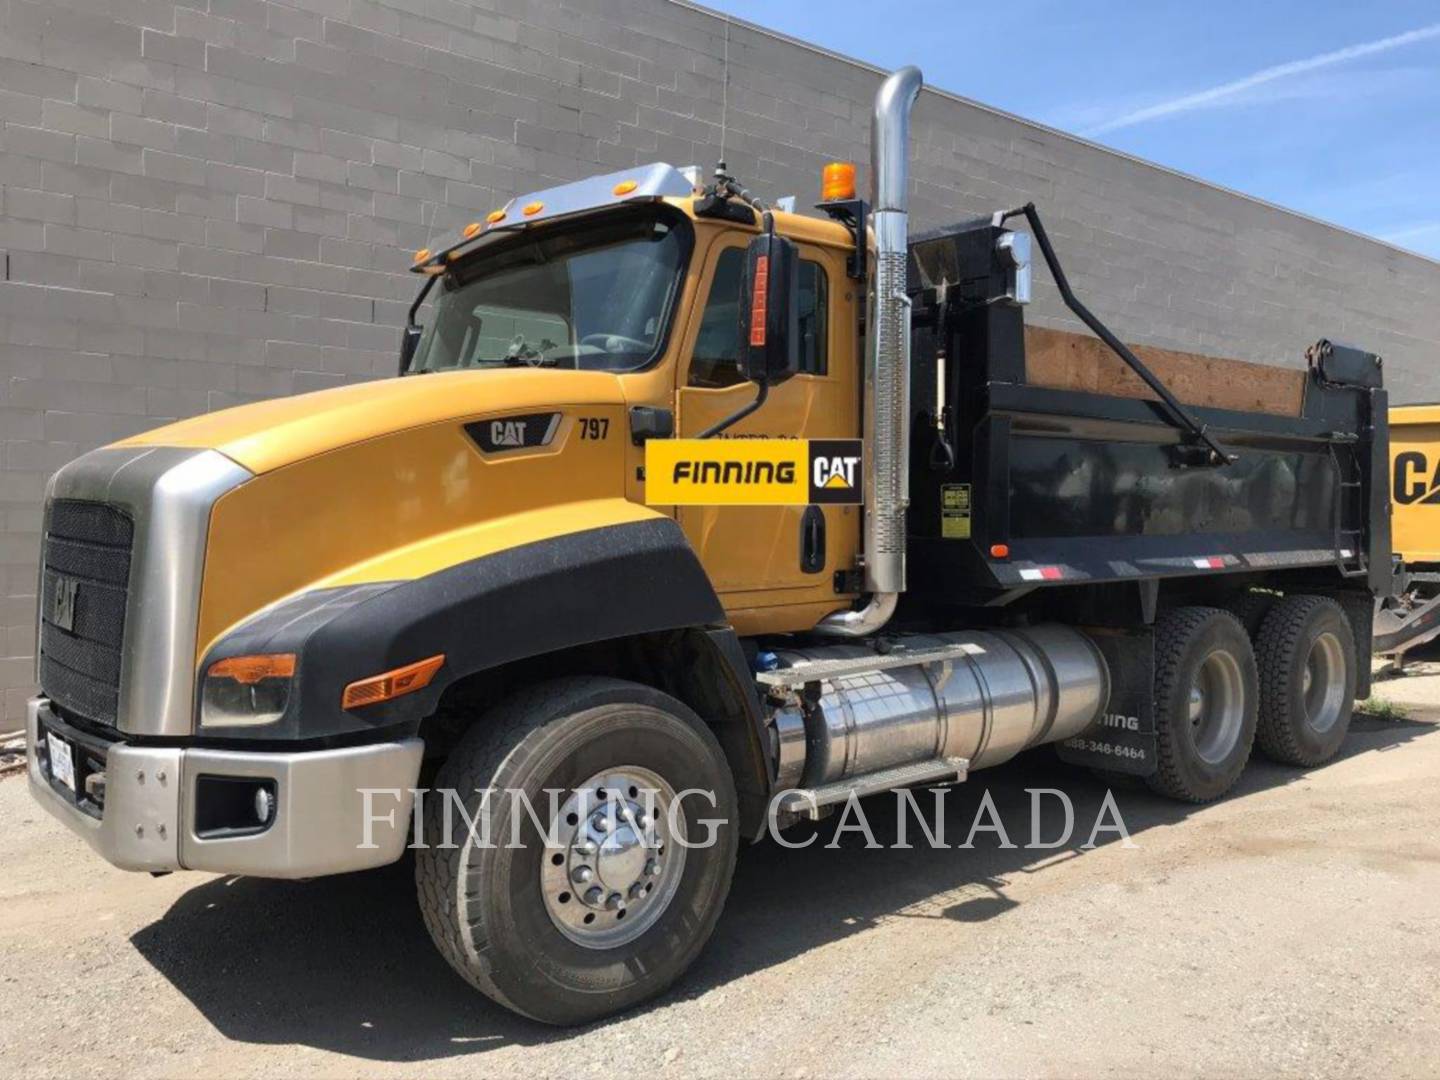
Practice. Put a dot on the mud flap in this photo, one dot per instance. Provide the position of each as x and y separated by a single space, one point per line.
1123 739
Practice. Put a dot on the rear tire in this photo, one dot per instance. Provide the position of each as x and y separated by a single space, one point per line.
1306 651
1206 701
520 923
1251 607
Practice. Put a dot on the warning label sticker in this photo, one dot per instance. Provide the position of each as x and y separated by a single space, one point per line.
955 511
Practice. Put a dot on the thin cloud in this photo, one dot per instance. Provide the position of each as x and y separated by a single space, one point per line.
1412 232
1216 94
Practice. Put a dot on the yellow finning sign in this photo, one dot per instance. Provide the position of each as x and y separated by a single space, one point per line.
752 472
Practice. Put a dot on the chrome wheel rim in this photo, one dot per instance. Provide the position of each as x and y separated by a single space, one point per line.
612 865
1322 684
1216 707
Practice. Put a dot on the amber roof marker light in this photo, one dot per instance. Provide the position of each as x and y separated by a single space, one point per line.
837 181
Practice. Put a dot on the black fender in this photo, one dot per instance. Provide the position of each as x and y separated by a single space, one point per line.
601 584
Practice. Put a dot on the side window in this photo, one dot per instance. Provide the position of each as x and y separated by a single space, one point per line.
714 363
717 345
814 319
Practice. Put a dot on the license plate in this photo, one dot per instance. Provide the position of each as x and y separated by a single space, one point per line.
62 762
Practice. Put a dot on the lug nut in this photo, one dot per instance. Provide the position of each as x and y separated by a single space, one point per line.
586 847
594 895
652 867
599 822
613 901
636 890
581 874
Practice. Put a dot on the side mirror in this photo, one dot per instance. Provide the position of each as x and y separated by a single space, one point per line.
409 342
770 310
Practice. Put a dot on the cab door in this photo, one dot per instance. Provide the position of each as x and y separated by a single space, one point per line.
774 567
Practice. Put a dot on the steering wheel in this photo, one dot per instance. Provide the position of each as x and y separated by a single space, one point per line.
608 342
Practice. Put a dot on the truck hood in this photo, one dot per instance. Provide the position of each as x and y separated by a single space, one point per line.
271 434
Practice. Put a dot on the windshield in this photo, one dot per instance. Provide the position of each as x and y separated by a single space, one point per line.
596 295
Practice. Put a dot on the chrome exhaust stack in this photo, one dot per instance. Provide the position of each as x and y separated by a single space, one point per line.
887 362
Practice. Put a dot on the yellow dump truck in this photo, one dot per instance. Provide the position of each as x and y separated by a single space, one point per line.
684 519
1411 617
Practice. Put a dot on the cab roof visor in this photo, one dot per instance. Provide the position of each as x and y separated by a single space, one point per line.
651 182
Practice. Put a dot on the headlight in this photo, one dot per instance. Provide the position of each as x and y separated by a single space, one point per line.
246 690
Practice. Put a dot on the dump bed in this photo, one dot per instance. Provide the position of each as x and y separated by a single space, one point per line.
1040 458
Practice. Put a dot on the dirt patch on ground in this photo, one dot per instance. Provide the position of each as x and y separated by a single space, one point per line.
1292 929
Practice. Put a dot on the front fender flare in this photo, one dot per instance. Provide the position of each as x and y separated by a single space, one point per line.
612 581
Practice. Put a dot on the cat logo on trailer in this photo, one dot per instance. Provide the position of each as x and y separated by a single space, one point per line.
1414 479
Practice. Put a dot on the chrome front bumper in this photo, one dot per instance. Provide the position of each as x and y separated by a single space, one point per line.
319 825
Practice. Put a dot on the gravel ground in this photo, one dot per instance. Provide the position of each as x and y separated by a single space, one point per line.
1293 928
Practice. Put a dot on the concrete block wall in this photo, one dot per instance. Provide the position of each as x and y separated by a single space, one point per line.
208 202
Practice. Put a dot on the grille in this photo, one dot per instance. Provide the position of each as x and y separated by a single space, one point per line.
83 590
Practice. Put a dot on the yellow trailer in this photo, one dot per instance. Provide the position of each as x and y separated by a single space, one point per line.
1415 484
1412 616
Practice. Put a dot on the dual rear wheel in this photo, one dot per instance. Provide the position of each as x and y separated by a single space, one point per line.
1218 694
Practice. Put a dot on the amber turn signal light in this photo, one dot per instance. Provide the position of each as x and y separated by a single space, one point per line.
471 229
249 670
758 302
531 209
624 187
391 684
494 217
837 181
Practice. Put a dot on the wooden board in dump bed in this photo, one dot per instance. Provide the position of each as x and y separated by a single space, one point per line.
1064 361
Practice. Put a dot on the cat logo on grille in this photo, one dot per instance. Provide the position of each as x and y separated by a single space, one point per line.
62 603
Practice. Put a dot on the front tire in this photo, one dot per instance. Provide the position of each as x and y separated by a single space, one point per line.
1306 650
1206 701
606 906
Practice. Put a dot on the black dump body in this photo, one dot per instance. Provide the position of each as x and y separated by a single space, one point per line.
1086 489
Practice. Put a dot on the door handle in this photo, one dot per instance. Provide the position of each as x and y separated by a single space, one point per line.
812 540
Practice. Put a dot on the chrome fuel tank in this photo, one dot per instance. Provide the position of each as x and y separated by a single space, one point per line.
993 694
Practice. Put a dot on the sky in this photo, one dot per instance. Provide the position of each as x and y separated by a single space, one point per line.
1330 107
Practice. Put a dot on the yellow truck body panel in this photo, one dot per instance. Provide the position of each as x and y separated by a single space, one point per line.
1415 482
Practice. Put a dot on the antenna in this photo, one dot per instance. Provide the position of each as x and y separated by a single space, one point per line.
724 95
429 229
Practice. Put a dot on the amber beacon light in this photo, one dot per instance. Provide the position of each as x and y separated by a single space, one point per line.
391 684
837 181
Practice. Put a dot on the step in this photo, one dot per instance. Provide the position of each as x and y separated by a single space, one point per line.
815 670
806 801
